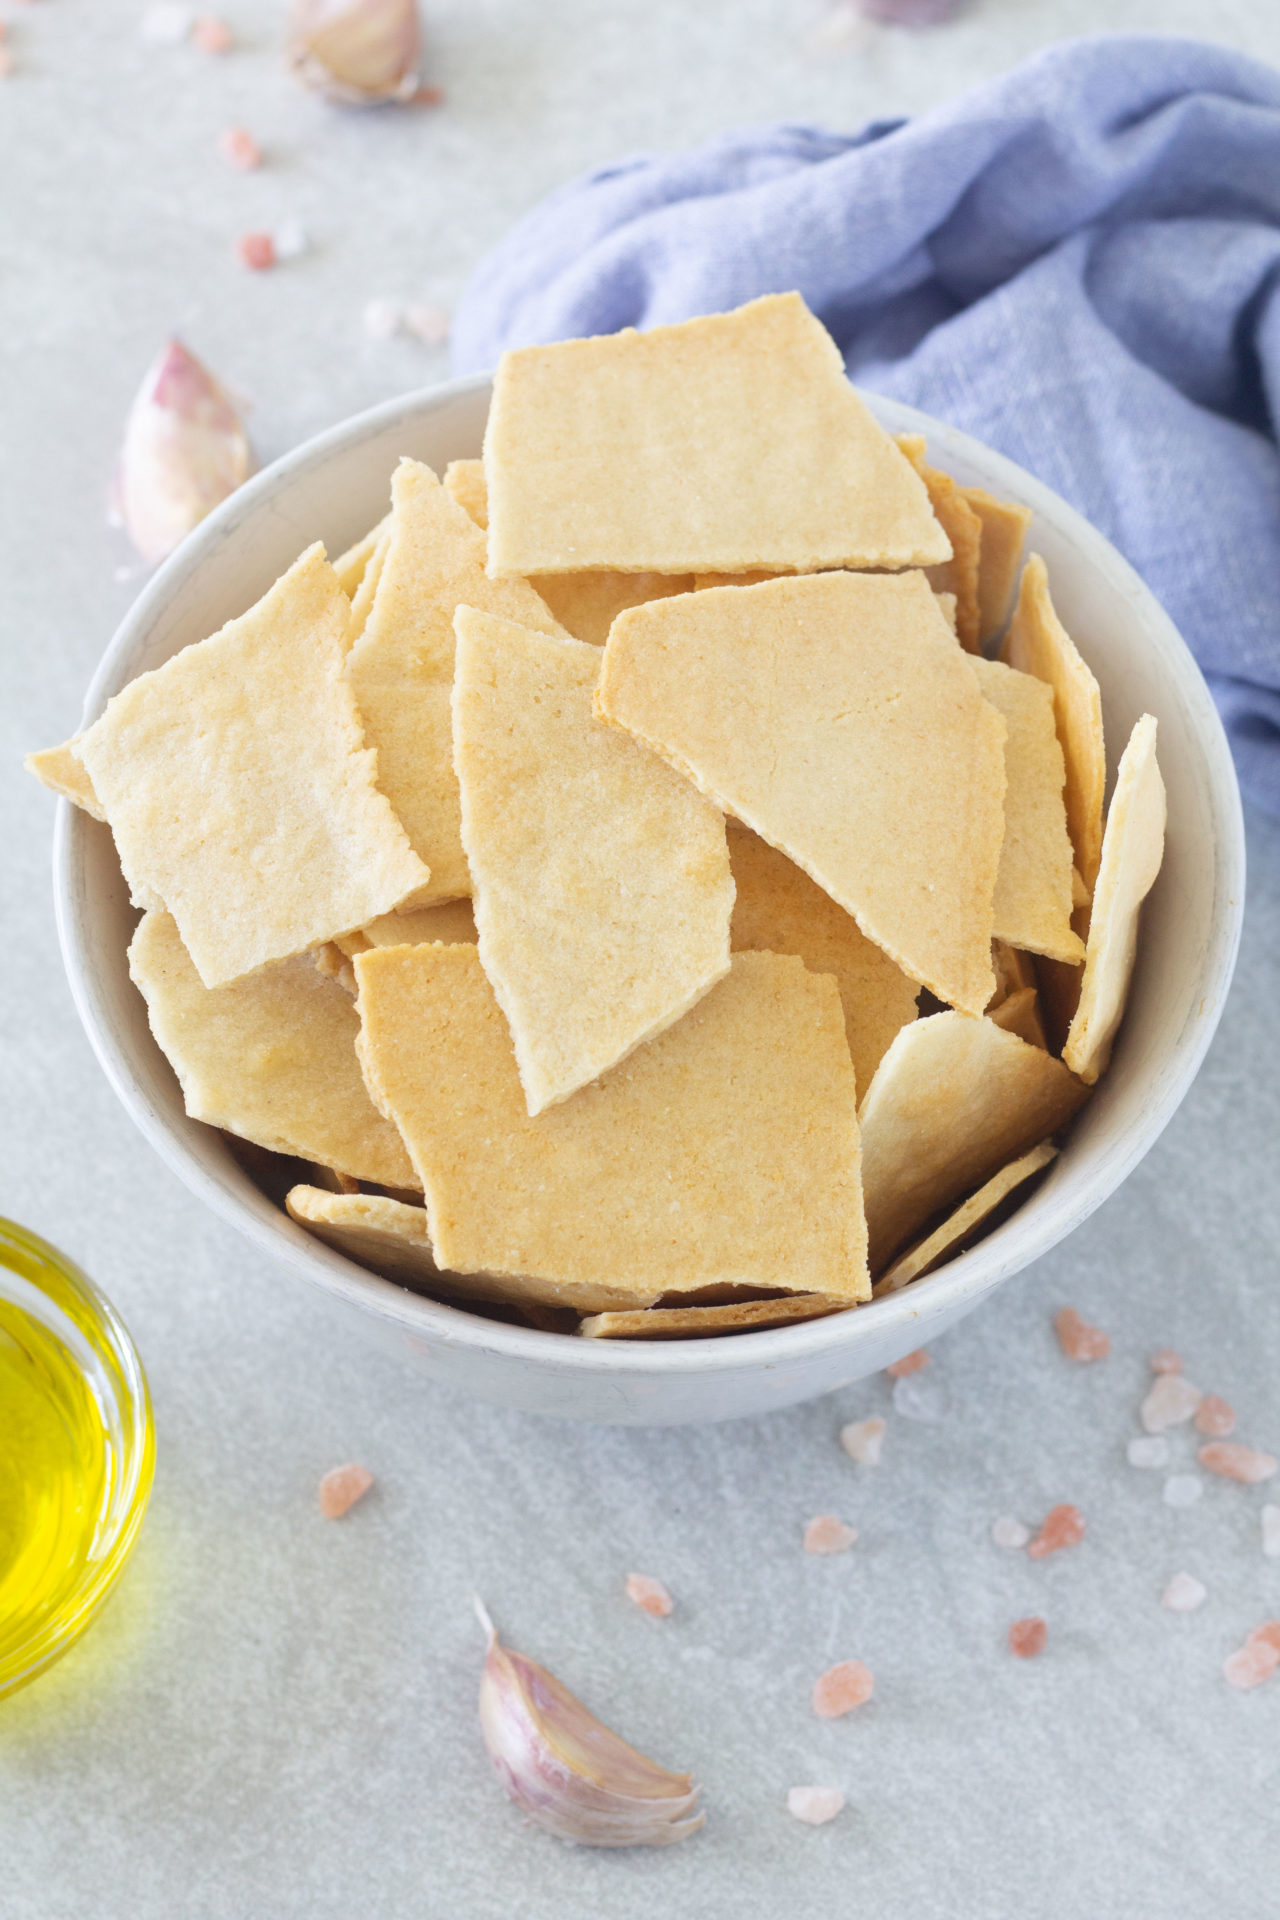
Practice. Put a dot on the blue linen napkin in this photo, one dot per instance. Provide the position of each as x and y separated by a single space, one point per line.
1079 263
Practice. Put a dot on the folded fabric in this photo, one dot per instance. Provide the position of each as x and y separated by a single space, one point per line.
1079 263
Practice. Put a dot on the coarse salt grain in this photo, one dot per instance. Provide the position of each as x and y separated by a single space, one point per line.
341 1488
1008 1532
1027 1637
1237 1462
211 34
1165 1360
6 63
862 1440
430 325
826 1534
1182 1489
1063 1526
1270 1520
1148 1450
1078 1340
1250 1665
1216 1416
1170 1401
290 240
1183 1594
909 1363
814 1805
165 26
649 1595
237 145
916 1397
381 319
842 1688
256 250
1267 1635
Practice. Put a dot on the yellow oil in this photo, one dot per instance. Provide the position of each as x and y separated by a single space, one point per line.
55 1474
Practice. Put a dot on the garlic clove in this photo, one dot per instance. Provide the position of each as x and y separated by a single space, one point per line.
357 53
185 449
569 1772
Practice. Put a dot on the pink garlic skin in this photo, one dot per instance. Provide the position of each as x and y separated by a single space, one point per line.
185 449
357 53
567 1771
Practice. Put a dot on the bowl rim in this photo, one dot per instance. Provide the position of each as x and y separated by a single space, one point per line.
956 1286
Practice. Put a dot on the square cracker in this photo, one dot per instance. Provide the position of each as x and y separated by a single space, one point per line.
1033 903
836 716
59 769
695 1323
1004 533
959 575
1132 849
585 604
271 1057
967 1218
718 445
779 909
723 1153
401 667
954 1100
352 565
241 791
1038 643
600 878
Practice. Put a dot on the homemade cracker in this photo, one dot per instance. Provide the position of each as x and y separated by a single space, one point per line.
241 792
600 878
836 716
350 566
722 444
401 667
1038 643
751 579
59 769
725 1152
1012 969
1033 884
780 910
693 1323
383 1234
1020 1013
959 575
363 597
1004 532
958 1227
451 922
464 482
947 608
271 1057
954 1100
1132 849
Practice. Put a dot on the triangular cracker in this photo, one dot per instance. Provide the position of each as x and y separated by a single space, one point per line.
351 566
954 1100
1012 969
718 445
836 716
600 877
363 597
1038 643
1020 1013
780 910
401 668
723 1153
62 771
1004 532
967 1218
1132 849
959 575
271 1057
241 791
1033 884
695 1323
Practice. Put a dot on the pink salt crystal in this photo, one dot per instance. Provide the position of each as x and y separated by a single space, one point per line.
237 145
1027 1637
1250 1665
1237 1462
6 63
842 1688
1216 1416
1078 1340
826 1534
814 1805
341 1488
210 34
863 1439
1063 1527
1008 1532
256 250
1165 1360
909 1363
649 1595
1183 1594
1170 1401
430 325
1267 1635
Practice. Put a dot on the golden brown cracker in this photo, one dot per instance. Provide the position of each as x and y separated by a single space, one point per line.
464 482
1004 533
385 1235
695 1323
959 1226
351 566
1020 1013
363 597
451 922
62 771
587 604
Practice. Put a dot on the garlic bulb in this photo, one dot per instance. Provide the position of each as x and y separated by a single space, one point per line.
184 451
357 53
567 1771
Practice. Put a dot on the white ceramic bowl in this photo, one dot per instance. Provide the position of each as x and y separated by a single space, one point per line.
333 489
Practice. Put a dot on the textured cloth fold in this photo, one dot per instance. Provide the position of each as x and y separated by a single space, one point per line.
1079 263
